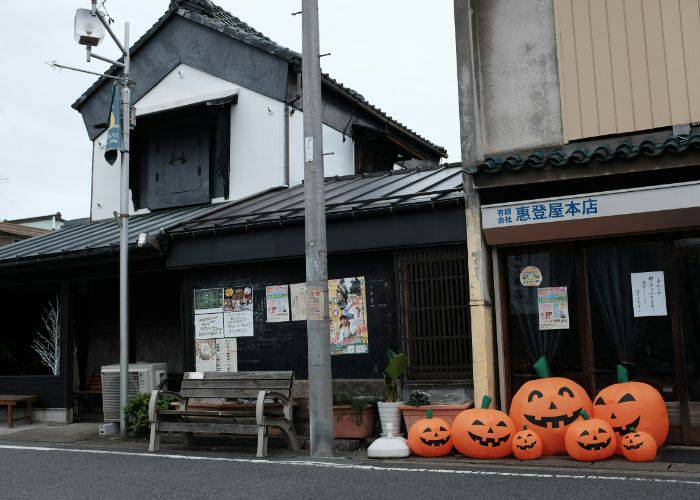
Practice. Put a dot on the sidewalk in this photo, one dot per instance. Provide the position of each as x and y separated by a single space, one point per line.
671 459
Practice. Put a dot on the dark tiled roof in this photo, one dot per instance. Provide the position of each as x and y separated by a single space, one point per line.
349 195
209 14
94 238
581 156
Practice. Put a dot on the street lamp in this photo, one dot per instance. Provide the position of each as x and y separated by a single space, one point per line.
90 27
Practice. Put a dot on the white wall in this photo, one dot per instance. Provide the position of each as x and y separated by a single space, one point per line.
341 162
257 139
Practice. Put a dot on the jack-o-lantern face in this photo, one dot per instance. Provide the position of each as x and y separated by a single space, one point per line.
483 432
527 445
639 446
590 439
632 405
548 406
430 437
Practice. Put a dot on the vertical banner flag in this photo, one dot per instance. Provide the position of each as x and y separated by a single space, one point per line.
114 129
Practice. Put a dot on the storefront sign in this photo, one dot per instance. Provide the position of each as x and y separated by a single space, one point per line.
297 292
530 276
277 303
648 294
348 316
553 308
592 205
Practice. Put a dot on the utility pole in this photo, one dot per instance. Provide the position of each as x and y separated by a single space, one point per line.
89 33
125 96
320 378
480 307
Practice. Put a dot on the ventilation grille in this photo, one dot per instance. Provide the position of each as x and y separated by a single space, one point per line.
110 393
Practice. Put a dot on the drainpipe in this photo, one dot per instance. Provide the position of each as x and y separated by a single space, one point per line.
480 306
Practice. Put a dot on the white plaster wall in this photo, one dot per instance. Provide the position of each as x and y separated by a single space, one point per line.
518 75
341 162
257 144
257 139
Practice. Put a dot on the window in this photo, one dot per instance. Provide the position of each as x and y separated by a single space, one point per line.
433 313
378 151
181 156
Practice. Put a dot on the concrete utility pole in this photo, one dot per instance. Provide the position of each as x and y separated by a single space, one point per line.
320 378
480 306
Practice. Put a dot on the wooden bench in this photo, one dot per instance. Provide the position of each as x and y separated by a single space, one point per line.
252 418
11 400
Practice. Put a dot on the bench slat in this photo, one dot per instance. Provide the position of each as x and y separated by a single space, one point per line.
279 385
225 393
287 375
249 430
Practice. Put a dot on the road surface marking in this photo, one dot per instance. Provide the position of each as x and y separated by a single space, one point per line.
334 465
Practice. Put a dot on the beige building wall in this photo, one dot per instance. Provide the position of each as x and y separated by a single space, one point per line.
627 65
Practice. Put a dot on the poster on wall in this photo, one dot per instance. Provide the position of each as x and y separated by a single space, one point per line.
348 315
205 355
648 294
553 308
238 312
208 326
226 355
297 295
277 303
207 300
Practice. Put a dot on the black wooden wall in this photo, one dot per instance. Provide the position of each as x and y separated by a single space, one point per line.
282 346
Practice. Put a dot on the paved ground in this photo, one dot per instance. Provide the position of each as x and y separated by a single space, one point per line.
42 461
51 472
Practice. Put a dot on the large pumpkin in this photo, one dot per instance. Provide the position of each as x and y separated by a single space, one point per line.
590 439
632 405
483 432
430 437
527 445
639 446
549 405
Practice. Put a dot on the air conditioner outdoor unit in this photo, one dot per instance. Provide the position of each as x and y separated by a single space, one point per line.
143 377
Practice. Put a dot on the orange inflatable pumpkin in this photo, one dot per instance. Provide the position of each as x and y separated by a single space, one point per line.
527 445
632 405
430 437
549 405
639 446
483 432
590 439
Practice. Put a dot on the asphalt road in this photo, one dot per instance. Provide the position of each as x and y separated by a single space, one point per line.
37 472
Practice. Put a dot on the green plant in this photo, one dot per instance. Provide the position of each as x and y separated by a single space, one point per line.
418 398
136 413
357 403
392 373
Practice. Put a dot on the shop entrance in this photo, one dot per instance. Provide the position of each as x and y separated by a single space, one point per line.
589 306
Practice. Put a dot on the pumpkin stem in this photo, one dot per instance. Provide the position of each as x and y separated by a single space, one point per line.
486 402
584 414
430 413
541 367
622 375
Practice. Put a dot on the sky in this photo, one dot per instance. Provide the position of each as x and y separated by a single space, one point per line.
399 54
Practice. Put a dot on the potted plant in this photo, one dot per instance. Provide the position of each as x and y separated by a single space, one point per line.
389 408
419 403
353 416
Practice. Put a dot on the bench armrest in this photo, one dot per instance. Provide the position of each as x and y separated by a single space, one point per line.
152 408
260 405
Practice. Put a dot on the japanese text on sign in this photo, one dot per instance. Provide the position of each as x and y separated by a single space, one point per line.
569 209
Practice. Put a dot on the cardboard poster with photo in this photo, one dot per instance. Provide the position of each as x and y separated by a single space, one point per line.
553 308
348 315
277 303
208 300
238 312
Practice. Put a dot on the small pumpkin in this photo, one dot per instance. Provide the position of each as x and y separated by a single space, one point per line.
430 437
590 439
639 446
549 405
632 405
483 432
527 445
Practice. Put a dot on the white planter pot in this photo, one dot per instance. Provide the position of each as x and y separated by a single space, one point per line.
390 413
